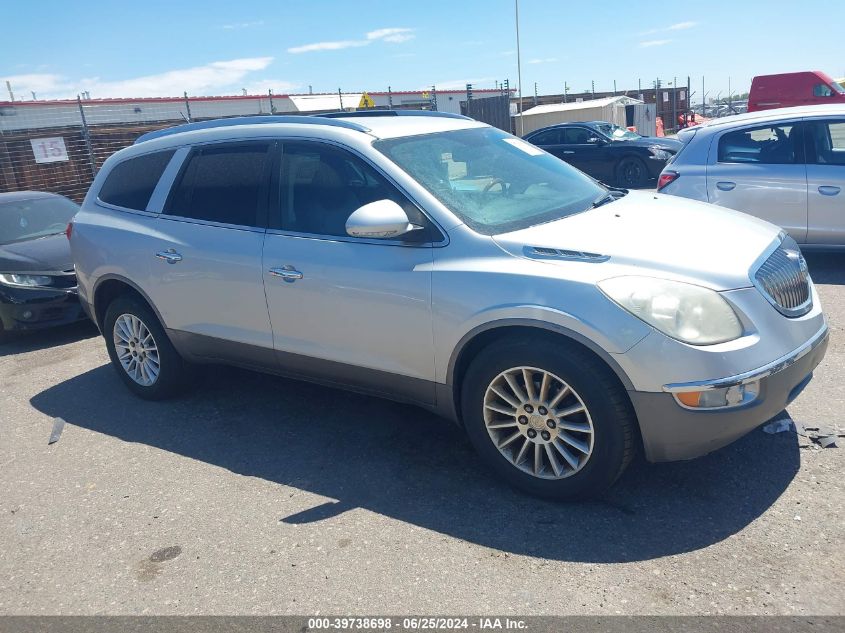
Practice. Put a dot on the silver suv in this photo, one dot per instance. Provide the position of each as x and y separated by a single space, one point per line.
786 166
439 261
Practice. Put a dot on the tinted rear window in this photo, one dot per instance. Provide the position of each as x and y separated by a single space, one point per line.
131 183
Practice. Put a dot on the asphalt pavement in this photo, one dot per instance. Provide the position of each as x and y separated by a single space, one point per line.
258 495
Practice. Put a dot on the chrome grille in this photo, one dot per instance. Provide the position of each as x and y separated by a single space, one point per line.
784 281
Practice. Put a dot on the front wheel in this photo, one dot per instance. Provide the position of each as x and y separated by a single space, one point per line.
140 351
549 418
631 173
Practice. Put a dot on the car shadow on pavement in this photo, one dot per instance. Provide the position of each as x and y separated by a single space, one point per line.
30 341
404 463
826 268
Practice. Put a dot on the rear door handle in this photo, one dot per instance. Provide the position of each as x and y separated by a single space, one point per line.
725 185
828 190
170 256
287 273
568 151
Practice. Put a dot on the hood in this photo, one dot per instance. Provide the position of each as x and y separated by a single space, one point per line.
44 254
654 234
670 144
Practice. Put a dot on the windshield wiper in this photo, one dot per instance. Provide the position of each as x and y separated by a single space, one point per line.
613 194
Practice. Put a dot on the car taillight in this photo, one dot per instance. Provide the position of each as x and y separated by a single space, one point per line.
69 230
665 178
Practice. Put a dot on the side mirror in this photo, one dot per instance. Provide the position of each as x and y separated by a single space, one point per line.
382 220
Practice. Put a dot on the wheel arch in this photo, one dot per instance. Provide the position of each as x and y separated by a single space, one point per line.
108 288
483 335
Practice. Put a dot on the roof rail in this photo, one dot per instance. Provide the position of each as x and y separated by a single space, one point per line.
249 120
372 113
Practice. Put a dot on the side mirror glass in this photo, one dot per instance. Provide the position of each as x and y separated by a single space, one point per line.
382 219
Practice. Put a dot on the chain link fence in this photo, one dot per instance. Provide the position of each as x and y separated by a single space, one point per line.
60 146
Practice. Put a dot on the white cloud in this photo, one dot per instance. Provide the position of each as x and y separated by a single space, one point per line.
242 25
222 77
650 43
327 46
393 35
679 26
542 60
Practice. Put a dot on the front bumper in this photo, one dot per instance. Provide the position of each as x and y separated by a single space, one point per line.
37 308
671 432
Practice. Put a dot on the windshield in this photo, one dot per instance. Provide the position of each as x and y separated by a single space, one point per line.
23 220
494 182
616 132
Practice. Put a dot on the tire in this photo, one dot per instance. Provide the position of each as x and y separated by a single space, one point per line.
173 373
608 413
631 173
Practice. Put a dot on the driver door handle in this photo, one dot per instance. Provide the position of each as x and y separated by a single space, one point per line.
725 185
287 273
828 190
170 256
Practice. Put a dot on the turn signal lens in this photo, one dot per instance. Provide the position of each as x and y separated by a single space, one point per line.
69 230
718 398
690 398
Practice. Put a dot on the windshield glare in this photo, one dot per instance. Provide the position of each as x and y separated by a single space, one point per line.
23 220
616 131
494 182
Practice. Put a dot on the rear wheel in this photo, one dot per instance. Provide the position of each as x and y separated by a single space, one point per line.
549 418
631 173
140 351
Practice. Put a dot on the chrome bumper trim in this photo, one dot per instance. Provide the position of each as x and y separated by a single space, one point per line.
755 374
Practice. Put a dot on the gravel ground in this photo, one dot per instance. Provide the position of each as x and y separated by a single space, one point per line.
257 495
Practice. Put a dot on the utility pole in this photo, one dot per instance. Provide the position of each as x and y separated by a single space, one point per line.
730 96
565 92
187 106
389 98
518 66
614 87
11 94
593 84
535 93
675 102
340 97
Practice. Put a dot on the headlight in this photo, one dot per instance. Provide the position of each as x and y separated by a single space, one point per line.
658 153
689 313
25 281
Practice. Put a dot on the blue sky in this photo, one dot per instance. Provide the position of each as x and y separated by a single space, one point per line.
162 48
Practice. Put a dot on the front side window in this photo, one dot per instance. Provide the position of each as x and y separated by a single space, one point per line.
822 90
131 183
778 144
578 136
321 185
492 181
826 142
222 183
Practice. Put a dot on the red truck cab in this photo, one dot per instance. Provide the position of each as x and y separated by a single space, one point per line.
811 87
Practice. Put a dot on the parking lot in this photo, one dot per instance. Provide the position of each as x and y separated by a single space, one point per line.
258 495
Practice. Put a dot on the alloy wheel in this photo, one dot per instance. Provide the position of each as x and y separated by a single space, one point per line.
136 349
538 422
